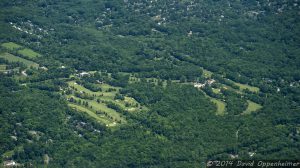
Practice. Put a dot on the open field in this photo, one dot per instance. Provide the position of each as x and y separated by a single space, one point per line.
104 108
221 106
252 107
94 106
90 113
207 73
2 67
98 102
12 58
226 87
9 154
106 95
11 46
29 53
216 90
244 87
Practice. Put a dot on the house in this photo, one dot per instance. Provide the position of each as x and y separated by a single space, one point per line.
251 154
11 163
7 72
24 73
44 68
82 74
210 81
199 85
202 85
100 82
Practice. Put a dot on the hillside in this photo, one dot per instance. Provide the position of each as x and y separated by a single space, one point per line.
140 83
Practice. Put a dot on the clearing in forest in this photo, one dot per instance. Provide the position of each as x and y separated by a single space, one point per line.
207 73
252 107
90 113
13 58
245 86
11 46
102 103
216 90
29 53
26 52
2 67
221 106
9 154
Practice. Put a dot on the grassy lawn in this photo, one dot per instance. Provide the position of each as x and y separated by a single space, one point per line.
81 88
221 106
9 154
11 46
244 87
252 107
99 107
105 97
104 88
207 73
2 67
12 58
90 113
29 53
103 107
216 90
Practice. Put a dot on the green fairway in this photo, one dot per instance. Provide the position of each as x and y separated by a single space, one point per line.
252 107
244 87
101 107
221 106
101 99
106 95
10 153
12 58
90 113
11 46
2 67
29 53
216 90
207 73
104 87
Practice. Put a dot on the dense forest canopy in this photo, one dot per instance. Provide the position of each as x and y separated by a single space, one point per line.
140 83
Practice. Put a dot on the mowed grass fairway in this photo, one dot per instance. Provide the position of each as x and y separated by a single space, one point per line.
252 107
98 106
29 53
90 113
107 95
2 67
92 109
216 90
21 50
221 106
12 58
9 154
207 73
11 46
244 87
104 94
